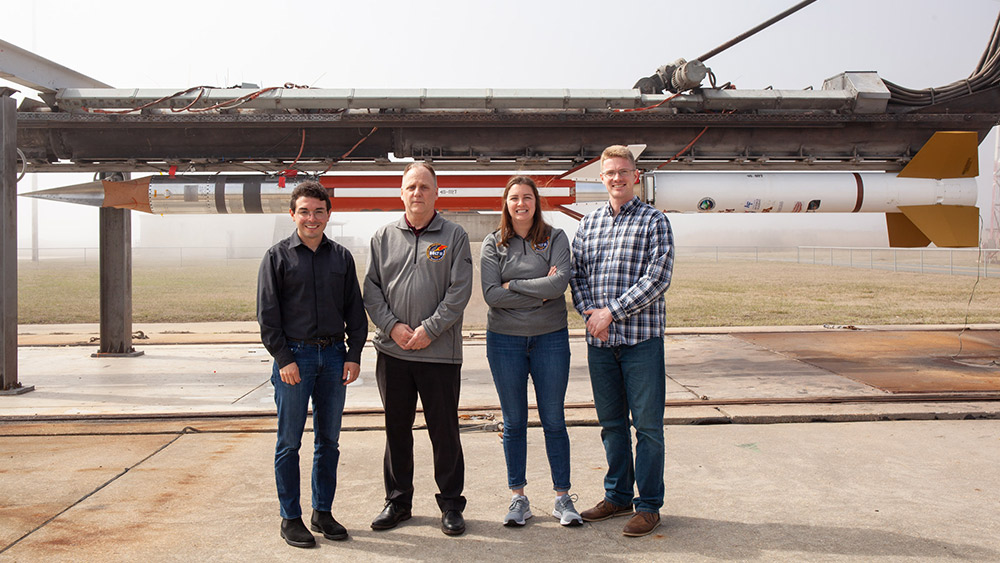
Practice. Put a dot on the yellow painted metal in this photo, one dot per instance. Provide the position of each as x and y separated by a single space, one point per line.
947 226
903 233
948 154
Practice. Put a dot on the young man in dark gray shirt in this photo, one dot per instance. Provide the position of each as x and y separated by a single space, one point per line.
308 303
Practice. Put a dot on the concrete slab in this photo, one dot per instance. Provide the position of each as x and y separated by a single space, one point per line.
790 492
704 371
43 478
899 361
721 366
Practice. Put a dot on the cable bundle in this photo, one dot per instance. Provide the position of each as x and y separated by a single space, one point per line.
986 76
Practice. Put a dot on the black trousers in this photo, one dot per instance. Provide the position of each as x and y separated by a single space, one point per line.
399 384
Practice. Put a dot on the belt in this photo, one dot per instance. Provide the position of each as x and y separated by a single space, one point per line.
321 342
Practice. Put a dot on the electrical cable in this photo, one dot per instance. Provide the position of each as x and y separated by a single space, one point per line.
985 76
972 294
685 149
226 104
147 104
301 148
348 153
689 145
648 107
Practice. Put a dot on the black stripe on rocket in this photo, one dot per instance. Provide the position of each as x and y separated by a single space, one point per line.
861 193
220 194
251 196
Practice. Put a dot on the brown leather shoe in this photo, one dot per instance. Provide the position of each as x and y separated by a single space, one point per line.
642 524
603 511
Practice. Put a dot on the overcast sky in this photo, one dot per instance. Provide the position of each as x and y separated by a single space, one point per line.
514 44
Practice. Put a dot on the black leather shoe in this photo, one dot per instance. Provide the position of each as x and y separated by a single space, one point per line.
452 523
390 517
295 534
331 529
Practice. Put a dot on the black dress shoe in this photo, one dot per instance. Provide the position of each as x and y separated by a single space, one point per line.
331 529
390 517
452 523
295 534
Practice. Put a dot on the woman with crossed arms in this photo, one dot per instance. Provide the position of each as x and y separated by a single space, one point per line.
525 269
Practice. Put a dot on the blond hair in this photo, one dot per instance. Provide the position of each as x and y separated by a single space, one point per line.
618 151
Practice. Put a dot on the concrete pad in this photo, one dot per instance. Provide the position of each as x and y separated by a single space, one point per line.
791 492
218 378
42 478
726 366
899 361
857 412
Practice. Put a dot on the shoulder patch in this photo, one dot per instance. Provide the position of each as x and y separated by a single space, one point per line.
436 252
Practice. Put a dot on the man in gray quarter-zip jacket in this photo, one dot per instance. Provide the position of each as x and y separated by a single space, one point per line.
418 283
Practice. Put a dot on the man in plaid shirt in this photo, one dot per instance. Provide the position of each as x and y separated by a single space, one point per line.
623 256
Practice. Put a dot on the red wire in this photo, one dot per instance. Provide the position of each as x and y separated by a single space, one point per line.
348 153
149 104
649 107
201 90
691 144
301 148
682 151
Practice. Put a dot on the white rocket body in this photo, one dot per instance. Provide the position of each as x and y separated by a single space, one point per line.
795 192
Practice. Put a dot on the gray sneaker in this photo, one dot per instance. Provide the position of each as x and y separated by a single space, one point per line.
520 510
566 512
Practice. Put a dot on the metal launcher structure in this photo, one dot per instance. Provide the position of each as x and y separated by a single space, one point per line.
860 143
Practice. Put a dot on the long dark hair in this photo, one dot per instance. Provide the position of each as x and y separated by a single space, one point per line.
540 230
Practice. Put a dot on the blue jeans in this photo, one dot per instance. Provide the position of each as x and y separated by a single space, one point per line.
322 371
631 380
546 359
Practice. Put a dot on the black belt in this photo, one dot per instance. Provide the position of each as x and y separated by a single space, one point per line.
321 342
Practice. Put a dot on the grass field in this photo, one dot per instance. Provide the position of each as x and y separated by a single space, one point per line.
703 293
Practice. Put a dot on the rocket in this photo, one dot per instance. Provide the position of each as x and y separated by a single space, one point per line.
201 194
931 200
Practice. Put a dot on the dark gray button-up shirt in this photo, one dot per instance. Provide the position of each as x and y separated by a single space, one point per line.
303 295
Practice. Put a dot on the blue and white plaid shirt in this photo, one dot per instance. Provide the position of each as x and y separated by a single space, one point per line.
624 263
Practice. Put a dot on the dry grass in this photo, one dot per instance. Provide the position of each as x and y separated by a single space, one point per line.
777 293
704 293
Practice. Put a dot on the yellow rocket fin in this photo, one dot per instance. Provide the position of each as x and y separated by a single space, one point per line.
947 226
903 233
948 154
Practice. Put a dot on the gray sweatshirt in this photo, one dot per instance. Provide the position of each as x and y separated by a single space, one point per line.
420 281
534 302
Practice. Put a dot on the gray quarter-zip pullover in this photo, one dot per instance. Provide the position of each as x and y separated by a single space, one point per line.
534 302
421 280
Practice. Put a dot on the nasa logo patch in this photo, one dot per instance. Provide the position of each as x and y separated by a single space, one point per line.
540 246
436 252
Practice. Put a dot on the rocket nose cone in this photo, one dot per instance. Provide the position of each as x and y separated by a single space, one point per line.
90 193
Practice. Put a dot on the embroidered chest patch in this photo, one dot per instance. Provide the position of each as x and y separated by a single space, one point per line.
540 246
436 252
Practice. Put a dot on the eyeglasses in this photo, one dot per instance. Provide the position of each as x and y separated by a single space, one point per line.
319 213
624 172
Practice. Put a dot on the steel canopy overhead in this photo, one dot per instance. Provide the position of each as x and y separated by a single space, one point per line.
856 121
850 124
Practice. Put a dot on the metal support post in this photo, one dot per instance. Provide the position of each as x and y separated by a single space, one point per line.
116 283
8 246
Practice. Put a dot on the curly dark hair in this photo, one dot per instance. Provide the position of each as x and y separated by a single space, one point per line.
310 188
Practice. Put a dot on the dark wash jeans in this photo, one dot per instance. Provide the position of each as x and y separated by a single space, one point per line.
322 372
546 359
631 380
